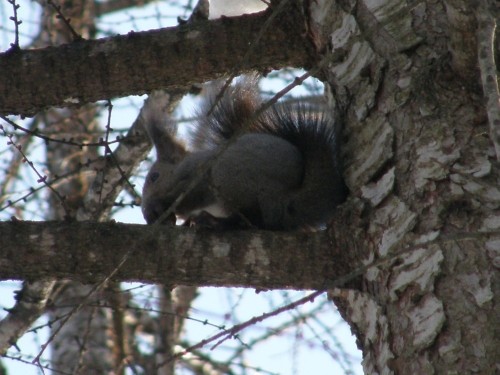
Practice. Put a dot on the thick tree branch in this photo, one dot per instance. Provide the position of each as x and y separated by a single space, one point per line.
91 70
90 251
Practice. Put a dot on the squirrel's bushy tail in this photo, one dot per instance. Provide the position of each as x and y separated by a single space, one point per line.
316 136
308 127
220 118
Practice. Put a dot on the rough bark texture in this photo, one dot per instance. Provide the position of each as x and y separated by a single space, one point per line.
91 251
420 167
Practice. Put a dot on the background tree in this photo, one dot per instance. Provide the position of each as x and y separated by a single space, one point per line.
411 259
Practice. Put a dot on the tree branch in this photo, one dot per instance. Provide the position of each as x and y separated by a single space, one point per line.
91 70
90 251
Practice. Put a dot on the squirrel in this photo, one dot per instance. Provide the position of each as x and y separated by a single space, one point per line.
276 170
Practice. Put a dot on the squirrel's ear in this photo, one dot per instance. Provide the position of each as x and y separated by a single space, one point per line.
168 149
161 128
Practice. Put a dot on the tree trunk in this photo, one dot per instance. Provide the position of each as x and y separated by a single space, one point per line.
89 323
424 181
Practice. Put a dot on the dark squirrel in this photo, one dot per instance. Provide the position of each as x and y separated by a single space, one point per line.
277 170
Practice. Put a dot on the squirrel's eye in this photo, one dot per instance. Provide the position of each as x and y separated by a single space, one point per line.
154 176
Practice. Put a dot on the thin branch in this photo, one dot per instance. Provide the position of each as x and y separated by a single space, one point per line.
66 21
233 331
70 141
41 178
15 46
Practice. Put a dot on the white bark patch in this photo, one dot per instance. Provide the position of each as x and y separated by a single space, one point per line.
493 248
404 82
479 286
359 57
371 273
478 167
340 37
431 163
483 191
358 54
48 241
456 191
374 143
427 237
188 242
194 34
369 318
397 220
493 245
92 256
491 223
376 192
426 321
419 268
364 102
256 254
71 100
221 250
396 19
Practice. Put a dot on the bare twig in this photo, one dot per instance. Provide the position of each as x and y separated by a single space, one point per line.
41 178
15 46
66 21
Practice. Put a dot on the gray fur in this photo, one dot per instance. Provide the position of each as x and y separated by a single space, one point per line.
277 170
